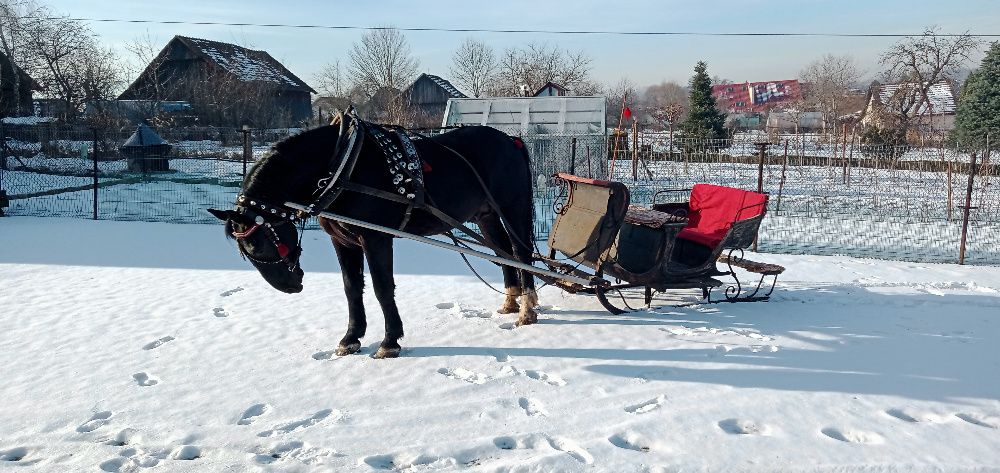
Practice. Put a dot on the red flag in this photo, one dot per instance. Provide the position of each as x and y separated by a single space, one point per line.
627 113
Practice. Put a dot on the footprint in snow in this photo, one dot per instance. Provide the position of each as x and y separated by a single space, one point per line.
125 437
853 435
231 291
95 422
252 413
156 343
464 375
420 461
324 355
445 305
916 415
647 406
550 379
301 424
982 420
186 452
13 455
629 440
293 450
532 407
507 326
143 379
541 441
220 312
743 427
132 459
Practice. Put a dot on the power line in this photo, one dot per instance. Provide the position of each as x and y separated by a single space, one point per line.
517 31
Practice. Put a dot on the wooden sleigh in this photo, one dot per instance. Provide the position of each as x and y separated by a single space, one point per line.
696 243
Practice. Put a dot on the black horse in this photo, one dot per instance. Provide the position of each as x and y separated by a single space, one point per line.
471 174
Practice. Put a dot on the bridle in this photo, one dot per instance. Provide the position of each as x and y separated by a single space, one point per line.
267 216
255 210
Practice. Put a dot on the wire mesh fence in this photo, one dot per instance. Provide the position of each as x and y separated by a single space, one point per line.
829 195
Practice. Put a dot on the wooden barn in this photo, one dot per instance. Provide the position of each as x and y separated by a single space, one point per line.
426 99
226 84
15 89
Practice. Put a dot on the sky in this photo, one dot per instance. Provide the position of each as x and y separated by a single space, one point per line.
645 60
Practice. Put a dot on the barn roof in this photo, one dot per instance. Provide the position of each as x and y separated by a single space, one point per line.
547 85
940 96
530 115
449 89
247 65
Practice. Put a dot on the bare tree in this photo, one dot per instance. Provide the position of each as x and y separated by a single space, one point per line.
530 67
826 82
473 66
382 59
623 91
70 65
666 102
16 16
331 80
920 62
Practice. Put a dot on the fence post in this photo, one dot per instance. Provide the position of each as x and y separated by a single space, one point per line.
247 151
572 155
93 155
4 202
966 209
762 153
781 183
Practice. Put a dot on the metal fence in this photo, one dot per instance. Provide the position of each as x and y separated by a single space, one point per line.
829 195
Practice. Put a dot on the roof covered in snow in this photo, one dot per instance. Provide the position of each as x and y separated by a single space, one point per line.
143 137
941 99
247 65
530 115
28 120
445 85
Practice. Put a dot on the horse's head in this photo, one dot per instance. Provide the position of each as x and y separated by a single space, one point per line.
268 239
263 227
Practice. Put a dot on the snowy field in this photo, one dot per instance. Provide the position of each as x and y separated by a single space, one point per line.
129 346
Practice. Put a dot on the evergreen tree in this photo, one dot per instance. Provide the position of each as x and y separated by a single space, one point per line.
704 120
978 110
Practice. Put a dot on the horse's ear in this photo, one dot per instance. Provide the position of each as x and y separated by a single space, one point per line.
220 214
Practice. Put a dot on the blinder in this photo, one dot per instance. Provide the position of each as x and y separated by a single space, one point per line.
256 211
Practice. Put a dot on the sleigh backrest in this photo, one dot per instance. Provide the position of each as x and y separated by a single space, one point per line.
589 220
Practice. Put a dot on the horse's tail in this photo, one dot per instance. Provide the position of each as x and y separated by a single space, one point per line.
531 184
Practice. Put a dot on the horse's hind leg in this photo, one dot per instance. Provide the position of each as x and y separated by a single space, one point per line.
352 267
495 233
521 231
378 251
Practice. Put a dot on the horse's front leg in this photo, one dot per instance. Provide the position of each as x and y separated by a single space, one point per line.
352 267
378 251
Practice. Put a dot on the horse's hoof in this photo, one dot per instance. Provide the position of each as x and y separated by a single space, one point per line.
348 349
527 317
384 352
509 309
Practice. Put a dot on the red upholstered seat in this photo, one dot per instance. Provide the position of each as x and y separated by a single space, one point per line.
713 209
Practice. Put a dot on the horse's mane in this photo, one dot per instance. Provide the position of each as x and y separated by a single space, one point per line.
285 157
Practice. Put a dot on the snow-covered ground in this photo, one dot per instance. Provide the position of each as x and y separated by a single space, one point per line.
130 345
